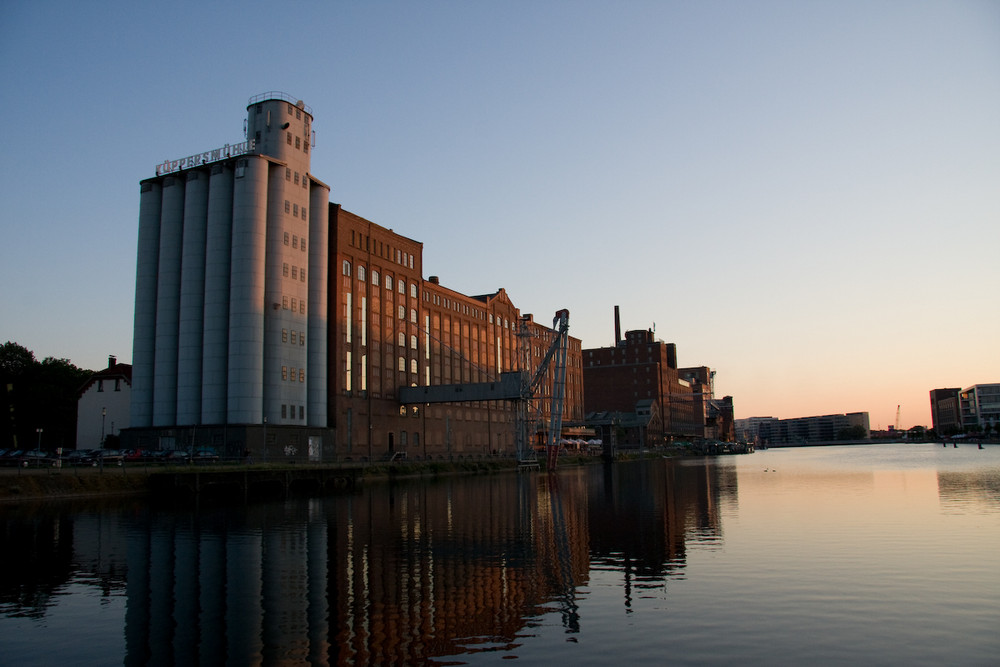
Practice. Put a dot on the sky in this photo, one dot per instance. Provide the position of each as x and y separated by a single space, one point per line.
803 196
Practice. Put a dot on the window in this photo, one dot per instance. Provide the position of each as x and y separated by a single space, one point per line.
100 385
413 315
284 335
303 245
388 282
284 269
286 238
401 284
361 273
413 290
402 364
413 342
295 272
296 178
288 138
402 312
347 265
284 303
295 210
283 411
302 275
413 366
288 175
304 213
402 339
375 278
298 142
288 206
302 412
295 241
284 372
302 338
294 303
302 375
302 307
295 335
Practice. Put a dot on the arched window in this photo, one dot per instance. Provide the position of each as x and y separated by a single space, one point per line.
347 268
374 277
361 273
388 282
402 339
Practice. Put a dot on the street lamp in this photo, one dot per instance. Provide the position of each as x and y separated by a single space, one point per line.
39 432
104 413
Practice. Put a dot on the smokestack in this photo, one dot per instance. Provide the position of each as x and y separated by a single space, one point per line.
618 328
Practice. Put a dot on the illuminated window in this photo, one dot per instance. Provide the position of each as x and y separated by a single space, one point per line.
284 335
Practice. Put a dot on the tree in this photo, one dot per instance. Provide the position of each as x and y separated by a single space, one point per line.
37 396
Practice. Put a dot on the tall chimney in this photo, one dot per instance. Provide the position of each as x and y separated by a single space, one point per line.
112 360
618 328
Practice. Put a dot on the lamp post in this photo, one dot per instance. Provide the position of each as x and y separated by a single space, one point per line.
104 414
39 432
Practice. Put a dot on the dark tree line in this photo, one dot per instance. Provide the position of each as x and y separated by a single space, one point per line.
37 395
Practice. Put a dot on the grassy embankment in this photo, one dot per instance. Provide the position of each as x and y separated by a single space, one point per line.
18 485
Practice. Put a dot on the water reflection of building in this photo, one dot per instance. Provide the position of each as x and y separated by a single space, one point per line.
376 579
643 518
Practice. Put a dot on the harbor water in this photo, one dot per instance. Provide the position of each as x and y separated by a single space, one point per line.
841 555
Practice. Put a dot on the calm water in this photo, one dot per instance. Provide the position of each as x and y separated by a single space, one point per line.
870 555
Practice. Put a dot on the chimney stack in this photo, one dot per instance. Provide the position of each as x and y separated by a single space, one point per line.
112 360
618 328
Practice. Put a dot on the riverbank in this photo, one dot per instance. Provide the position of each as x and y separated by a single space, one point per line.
55 484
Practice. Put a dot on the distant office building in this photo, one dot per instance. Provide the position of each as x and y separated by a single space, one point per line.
804 430
980 405
104 405
269 321
946 411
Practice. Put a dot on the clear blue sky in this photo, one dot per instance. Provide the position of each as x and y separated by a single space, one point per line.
804 196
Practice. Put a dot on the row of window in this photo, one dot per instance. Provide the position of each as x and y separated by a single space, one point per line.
400 284
381 249
296 272
294 337
288 412
288 177
293 304
294 210
288 373
296 242
304 145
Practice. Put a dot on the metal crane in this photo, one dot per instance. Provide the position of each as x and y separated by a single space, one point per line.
555 358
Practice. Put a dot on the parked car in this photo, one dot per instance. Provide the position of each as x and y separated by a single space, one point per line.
11 457
36 458
79 457
205 456
177 456
138 455
109 457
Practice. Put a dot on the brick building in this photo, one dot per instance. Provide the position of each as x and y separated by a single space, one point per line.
621 379
270 322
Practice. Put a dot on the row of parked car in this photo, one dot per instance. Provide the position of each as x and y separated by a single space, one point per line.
37 458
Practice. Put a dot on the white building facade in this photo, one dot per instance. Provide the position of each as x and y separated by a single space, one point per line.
231 281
